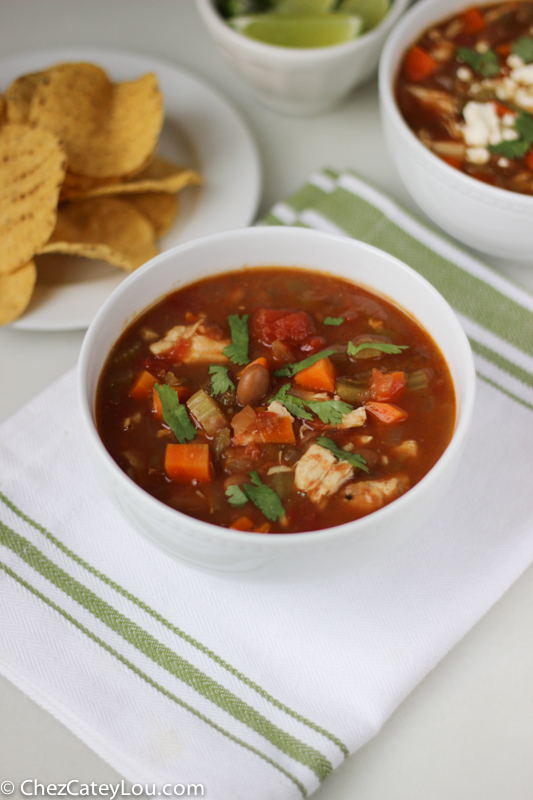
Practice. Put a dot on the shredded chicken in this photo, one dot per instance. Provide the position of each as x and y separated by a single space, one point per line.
434 100
320 475
407 449
354 419
367 496
203 348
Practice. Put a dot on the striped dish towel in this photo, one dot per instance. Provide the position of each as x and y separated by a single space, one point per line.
175 677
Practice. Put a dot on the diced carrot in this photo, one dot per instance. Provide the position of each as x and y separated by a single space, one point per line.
188 462
386 412
418 64
157 408
320 376
272 429
473 21
242 524
142 386
504 50
261 360
529 159
454 162
386 385
266 527
501 110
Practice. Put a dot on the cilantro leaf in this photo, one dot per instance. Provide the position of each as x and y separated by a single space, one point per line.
329 411
221 381
333 320
352 458
263 497
237 351
292 369
236 496
175 414
523 47
485 64
384 347
517 148
293 404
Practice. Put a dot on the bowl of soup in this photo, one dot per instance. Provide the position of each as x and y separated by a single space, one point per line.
456 91
276 402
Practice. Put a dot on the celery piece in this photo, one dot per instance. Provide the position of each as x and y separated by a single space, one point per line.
207 412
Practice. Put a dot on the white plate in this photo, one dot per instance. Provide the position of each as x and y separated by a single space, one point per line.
201 130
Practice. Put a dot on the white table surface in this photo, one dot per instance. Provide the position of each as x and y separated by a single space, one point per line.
466 732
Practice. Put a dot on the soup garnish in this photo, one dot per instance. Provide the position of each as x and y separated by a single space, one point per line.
236 400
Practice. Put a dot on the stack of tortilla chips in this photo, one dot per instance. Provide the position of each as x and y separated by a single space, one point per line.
78 174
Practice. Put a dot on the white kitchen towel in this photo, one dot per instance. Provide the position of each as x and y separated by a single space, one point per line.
173 676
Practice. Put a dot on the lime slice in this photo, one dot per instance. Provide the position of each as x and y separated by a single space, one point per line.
319 30
301 7
370 11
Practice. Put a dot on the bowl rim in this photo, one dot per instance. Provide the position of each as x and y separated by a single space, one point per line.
388 69
275 541
294 55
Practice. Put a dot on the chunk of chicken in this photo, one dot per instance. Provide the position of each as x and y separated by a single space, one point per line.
203 348
354 419
320 475
407 449
279 410
367 496
434 100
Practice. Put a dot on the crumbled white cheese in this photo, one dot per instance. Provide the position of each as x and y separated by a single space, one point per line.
482 124
524 98
509 135
503 162
523 75
508 120
515 61
477 155
482 47
464 74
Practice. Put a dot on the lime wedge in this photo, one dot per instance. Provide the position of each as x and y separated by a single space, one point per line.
301 7
319 30
370 11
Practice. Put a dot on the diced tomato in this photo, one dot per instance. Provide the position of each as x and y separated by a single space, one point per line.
504 50
386 412
501 110
314 345
473 21
454 162
386 385
418 64
529 159
242 524
293 327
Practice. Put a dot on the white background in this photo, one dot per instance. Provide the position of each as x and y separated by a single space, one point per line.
467 731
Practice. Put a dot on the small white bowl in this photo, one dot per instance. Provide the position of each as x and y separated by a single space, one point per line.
278 556
493 220
301 82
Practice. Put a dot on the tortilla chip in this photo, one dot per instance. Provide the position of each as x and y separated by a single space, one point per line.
15 292
106 228
160 208
3 110
32 168
159 176
108 129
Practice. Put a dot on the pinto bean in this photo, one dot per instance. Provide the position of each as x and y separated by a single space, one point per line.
253 385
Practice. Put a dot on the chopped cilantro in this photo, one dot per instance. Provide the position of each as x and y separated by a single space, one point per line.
352 458
486 64
237 351
261 496
333 320
175 414
329 411
292 369
236 496
384 347
293 404
523 47
517 148
221 381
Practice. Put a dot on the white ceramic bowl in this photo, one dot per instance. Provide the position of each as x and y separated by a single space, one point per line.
278 556
490 219
300 81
